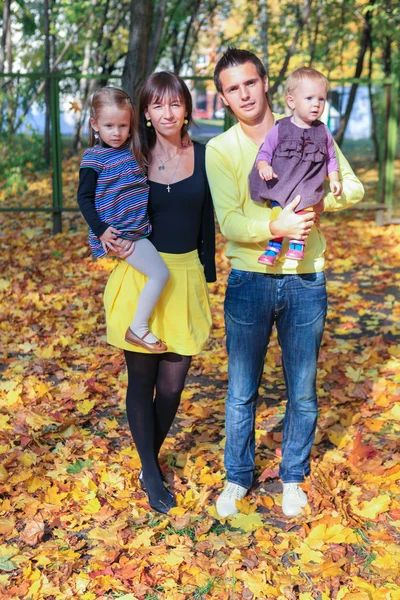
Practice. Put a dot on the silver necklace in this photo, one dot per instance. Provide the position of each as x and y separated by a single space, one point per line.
162 164
176 168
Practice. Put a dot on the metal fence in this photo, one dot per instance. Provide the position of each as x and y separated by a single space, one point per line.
388 90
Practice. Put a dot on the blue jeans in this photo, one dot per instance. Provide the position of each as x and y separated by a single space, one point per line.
298 306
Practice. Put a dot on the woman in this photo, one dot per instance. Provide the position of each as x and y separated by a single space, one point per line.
182 219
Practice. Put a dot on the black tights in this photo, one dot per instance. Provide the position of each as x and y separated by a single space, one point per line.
149 417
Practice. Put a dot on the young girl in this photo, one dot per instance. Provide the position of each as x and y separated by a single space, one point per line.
296 156
113 195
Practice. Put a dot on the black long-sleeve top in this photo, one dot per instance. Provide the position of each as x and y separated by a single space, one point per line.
182 219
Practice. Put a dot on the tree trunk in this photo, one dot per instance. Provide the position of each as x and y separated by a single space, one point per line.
316 33
3 48
364 44
387 50
135 67
4 35
264 31
7 58
47 143
290 51
84 84
154 45
374 132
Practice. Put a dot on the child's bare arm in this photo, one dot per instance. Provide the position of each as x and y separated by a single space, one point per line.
334 183
265 170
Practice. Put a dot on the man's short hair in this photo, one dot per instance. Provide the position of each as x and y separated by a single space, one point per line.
302 73
233 57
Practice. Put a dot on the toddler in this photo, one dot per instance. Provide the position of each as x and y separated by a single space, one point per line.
113 196
296 156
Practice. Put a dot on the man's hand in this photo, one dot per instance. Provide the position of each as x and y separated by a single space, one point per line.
265 170
291 225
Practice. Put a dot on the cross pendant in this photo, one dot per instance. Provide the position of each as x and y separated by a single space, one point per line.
168 188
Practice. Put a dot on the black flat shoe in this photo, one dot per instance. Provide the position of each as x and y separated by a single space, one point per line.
161 506
143 485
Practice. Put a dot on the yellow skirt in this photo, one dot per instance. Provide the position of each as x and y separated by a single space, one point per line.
182 316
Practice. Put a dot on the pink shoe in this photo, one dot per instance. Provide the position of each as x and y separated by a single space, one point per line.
268 259
295 254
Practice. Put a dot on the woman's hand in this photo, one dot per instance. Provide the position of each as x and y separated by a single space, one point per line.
292 225
123 248
109 238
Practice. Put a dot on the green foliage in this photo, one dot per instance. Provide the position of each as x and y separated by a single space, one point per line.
19 154
204 589
78 464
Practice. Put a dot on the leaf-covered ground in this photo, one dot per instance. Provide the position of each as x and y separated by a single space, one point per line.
73 522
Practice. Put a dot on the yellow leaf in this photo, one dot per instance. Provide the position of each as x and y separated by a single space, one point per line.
323 534
4 422
85 406
258 585
27 459
37 421
42 389
177 511
308 554
373 508
246 522
42 560
89 484
394 413
13 396
245 507
111 424
176 556
354 374
35 587
81 582
108 536
37 483
93 506
54 496
3 474
4 284
344 590
143 540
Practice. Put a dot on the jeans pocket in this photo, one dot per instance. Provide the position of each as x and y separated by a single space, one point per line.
312 280
237 278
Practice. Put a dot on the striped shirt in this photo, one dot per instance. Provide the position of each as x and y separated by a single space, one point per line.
121 193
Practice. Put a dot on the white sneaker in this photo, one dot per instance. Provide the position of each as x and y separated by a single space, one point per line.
226 503
294 499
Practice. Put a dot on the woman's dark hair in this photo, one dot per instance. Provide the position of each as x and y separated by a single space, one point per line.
233 57
112 96
155 89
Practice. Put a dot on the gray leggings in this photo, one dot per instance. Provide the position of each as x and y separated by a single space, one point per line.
146 260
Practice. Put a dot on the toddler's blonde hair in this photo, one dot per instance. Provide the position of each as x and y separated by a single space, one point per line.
299 75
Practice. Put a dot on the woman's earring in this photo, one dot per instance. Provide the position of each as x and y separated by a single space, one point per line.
148 123
185 121
96 135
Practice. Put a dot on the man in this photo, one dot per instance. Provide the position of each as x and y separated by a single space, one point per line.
290 294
